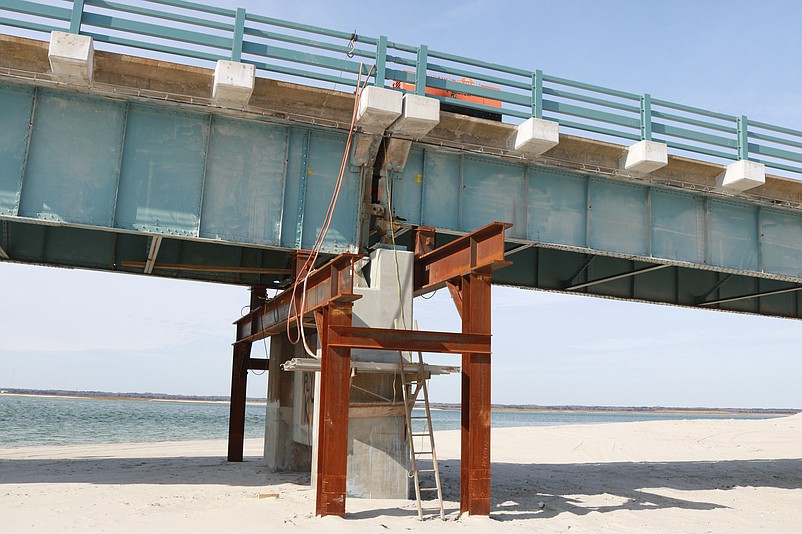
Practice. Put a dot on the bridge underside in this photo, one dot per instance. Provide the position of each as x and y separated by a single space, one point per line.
129 185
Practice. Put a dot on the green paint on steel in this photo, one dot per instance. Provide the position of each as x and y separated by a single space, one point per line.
321 55
76 15
381 62
743 137
303 176
646 117
239 31
537 94
420 70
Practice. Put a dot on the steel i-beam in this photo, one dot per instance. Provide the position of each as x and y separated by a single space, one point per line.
242 361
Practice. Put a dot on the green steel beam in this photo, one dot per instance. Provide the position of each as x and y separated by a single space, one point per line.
239 29
420 70
76 15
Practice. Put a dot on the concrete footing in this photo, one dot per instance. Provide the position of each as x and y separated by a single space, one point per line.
535 136
742 175
233 83
645 156
71 56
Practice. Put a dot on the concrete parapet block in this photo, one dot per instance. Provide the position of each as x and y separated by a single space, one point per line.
419 115
742 175
378 108
71 56
645 156
233 82
535 136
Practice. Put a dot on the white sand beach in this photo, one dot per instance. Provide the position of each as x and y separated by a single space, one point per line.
663 476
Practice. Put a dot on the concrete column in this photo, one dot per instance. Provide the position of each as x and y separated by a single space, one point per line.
378 454
283 450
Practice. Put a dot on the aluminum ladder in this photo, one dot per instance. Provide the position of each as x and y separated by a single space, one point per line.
413 378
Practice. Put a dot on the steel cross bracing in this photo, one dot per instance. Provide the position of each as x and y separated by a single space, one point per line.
465 265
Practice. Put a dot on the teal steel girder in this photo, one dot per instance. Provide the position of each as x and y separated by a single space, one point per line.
86 181
565 217
76 159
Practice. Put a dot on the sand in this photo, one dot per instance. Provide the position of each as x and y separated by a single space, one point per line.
663 476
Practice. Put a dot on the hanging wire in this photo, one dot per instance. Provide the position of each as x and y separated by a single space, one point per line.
295 311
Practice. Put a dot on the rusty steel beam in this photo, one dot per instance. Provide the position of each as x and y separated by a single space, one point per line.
236 418
329 284
335 385
356 337
480 250
475 451
240 365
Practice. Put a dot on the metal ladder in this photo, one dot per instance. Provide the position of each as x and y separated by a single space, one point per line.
414 382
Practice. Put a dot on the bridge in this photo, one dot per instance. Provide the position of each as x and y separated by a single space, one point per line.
193 166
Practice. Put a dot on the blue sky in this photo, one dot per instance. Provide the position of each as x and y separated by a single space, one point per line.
75 329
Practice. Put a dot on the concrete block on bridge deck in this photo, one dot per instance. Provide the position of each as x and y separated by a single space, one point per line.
71 56
419 115
535 136
378 109
645 156
233 82
742 175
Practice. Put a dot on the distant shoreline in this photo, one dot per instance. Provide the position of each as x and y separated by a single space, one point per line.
156 397
123 397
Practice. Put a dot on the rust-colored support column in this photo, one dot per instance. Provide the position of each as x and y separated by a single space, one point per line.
335 377
475 456
239 386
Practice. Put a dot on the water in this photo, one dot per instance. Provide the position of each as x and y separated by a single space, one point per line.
27 421
54 421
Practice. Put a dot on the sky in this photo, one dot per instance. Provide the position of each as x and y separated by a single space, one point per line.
83 330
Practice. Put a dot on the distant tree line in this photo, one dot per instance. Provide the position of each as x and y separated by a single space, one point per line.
578 408
442 405
118 395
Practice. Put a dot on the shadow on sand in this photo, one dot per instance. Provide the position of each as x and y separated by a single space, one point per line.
195 470
579 489
517 489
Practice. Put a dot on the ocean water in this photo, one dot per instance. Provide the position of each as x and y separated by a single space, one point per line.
28 421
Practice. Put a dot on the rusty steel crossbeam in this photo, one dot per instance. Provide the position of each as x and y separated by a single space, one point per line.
356 337
481 250
331 283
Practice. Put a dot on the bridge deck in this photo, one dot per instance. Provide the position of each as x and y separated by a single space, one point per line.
101 177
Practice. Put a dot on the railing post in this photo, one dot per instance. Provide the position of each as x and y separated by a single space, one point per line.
743 138
420 70
76 16
239 33
381 61
646 117
537 94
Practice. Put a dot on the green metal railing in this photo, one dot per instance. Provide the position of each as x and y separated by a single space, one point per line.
318 55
